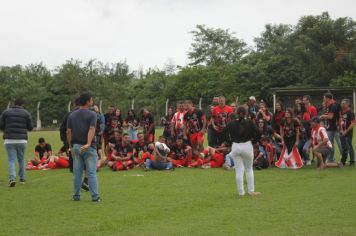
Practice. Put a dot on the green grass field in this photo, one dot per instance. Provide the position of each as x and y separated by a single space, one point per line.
182 202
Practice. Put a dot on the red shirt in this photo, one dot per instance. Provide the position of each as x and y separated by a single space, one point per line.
221 116
312 111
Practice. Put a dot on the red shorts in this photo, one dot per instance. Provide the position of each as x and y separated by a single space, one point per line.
181 162
196 138
123 165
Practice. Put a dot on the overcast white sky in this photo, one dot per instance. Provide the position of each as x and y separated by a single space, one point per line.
145 33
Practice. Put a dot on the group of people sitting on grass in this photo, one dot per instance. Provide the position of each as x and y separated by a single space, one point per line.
287 137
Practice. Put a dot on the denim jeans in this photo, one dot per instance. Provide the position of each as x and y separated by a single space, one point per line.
347 148
334 135
89 159
16 151
228 160
132 134
157 165
303 149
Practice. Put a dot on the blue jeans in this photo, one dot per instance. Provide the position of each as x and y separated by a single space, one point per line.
157 165
303 149
229 161
334 135
89 159
16 151
347 148
132 133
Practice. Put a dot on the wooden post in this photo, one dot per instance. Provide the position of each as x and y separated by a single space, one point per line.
100 106
69 104
274 101
8 105
167 101
133 103
354 100
200 101
38 127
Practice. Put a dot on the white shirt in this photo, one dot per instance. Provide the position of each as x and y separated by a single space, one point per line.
15 141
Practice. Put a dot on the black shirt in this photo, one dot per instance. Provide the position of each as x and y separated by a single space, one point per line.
241 131
123 150
347 118
330 124
80 121
194 121
41 151
147 122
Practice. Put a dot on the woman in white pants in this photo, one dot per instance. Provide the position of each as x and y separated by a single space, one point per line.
242 132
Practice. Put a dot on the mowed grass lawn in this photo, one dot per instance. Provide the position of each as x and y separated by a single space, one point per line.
182 202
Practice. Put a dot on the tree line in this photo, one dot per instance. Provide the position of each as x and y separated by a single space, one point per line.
317 51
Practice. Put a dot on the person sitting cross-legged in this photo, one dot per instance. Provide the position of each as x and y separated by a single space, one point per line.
160 161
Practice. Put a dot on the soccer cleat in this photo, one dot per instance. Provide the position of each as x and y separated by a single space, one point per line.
96 200
22 181
12 183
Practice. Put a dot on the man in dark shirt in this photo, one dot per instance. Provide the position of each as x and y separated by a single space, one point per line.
82 144
242 133
330 119
43 151
347 123
195 127
148 126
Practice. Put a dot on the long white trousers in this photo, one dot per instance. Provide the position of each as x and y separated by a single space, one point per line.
242 154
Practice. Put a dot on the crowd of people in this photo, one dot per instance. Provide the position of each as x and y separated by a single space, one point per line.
240 137
288 137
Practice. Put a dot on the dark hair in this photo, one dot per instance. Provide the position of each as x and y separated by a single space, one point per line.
139 133
84 98
76 102
125 134
307 97
241 112
128 114
41 140
328 95
315 119
19 102
281 104
290 110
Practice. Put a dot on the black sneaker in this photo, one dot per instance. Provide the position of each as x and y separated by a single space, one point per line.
22 181
12 183
85 186
96 200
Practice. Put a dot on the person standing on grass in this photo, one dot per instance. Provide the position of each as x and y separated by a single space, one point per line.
347 123
242 133
15 122
82 144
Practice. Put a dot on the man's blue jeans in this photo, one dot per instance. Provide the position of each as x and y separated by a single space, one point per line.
347 148
157 165
16 151
89 159
334 135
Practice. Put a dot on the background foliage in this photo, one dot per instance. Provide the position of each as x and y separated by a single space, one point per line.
317 51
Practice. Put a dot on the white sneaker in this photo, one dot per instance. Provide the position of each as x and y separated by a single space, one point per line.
308 163
254 194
